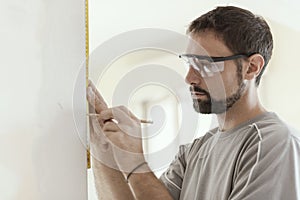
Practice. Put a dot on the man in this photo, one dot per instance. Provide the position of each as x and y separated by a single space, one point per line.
251 155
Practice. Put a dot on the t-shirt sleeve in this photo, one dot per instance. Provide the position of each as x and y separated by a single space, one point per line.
268 169
173 176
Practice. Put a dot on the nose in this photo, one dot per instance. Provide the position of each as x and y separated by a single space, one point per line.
193 77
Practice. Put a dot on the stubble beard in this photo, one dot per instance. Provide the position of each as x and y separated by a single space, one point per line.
210 105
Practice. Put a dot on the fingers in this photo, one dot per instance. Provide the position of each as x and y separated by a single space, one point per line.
97 103
95 99
128 112
110 127
110 118
96 132
121 114
99 130
91 84
111 113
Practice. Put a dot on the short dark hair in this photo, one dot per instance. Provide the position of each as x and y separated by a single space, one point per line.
240 29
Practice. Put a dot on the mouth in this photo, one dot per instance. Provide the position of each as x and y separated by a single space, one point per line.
198 95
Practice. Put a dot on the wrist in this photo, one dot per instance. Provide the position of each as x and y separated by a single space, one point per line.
141 168
127 161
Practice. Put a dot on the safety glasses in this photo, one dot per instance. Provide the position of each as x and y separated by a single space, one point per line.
207 66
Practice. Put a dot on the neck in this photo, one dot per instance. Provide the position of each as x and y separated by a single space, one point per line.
246 108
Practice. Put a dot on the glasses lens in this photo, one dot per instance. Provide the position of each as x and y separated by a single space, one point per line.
204 67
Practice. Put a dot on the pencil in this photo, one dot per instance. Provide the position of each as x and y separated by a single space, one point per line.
144 121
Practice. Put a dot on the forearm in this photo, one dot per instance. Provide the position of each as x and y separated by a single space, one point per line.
147 186
110 183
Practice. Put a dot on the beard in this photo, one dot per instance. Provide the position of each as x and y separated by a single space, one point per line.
210 105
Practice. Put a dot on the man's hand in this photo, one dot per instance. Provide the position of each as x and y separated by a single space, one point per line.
124 135
101 150
116 141
115 134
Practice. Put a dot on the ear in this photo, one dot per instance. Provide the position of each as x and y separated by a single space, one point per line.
254 67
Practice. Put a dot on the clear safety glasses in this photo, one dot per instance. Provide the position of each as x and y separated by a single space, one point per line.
207 66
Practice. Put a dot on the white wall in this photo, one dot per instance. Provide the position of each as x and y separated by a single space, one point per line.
42 48
281 84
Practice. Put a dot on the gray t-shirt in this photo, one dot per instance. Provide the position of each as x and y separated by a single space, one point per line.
258 160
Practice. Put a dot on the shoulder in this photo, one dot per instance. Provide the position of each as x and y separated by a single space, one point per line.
271 138
268 157
274 130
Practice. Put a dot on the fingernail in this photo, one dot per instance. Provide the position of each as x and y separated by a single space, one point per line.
90 91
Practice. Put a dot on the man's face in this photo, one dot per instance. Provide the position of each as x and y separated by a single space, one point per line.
220 91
